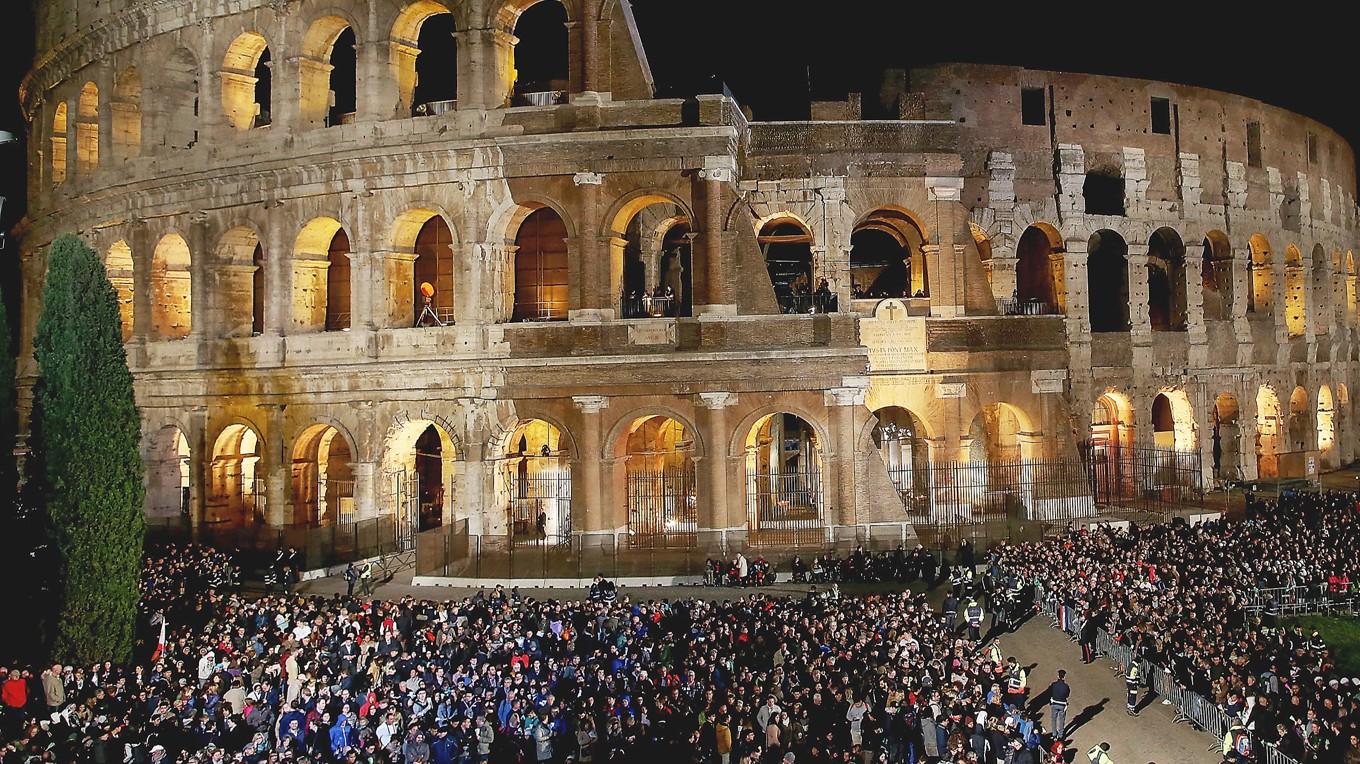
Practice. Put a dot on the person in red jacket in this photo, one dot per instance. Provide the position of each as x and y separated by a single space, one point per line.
14 696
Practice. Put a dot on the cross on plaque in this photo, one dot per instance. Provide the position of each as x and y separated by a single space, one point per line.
891 310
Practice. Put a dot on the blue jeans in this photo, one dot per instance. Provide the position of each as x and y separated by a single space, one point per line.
1059 725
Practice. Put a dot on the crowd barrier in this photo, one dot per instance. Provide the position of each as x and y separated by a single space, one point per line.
1290 601
1190 706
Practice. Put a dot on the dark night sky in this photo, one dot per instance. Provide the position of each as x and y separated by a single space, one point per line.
770 51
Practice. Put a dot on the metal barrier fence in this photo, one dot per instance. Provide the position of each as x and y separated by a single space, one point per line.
1290 601
1191 707
318 547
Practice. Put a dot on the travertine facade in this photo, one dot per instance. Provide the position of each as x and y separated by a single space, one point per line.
1143 265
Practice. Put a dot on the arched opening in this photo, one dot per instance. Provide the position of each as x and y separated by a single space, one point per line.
328 73
662 500
640 231
247 82
175 109
418 475
318 245
87 129
784 475
994 435
1216 277
171 289
167 474
241 297
886 257
1343 423
1038 271
1261 297
1166 281
1326 425
118 266
900 438
1295 293
996 471
424 58
1350 286
338 303
1110 448
536 474
1173 424
1300 429
322 477
58 158
1268 426
1107 282
126 113
1226 452
542 67
434 271
787 247
235 488
1322 293
542 288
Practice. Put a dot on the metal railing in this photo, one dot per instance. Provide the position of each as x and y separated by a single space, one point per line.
806 302
1190 706
321 547
1029 307
1290 601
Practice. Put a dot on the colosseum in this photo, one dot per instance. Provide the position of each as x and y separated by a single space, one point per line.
373 271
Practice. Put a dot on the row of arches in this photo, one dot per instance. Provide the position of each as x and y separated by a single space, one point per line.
423 62
418 477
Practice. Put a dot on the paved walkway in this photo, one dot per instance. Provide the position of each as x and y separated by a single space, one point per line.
1096 711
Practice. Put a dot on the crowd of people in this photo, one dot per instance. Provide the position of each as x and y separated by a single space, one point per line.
1179 594
496 677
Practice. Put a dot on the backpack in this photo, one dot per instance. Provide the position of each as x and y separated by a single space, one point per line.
1242 744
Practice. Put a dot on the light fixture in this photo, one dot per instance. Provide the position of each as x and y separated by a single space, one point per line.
6 137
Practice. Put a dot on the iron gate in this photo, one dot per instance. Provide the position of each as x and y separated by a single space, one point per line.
403 504
663 508
787 506
539 508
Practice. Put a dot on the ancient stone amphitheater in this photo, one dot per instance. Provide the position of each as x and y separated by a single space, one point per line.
373 271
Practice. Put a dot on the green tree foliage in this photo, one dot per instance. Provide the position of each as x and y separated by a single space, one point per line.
86 467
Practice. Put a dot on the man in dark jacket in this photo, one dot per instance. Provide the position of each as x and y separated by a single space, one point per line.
1058 693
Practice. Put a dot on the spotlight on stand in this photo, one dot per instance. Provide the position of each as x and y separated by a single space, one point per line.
428 313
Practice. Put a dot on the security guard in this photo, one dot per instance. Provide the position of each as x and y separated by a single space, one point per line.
1015 683
973 615
1132 681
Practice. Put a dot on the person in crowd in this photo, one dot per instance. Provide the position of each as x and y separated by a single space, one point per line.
1058 694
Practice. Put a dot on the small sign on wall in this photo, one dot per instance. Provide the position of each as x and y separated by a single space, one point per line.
1047 381
946 390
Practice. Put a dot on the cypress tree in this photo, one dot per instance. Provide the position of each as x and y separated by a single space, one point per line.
85 465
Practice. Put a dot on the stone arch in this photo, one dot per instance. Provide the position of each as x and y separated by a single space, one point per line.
887 248
1039 269
660 488
87 129
1295 293
118 264
418 471
997 433
1216 277
1261 297
786 245
1320 297
174 108
318 295
322 476
629 279
58 140
1326 426
542 55
1110 450
1173 421
126 112
328 71
168 482
1225 450
900 438
534 480
171 288
785 453
542 286
243 308
246 82
1300 428
423 55
426 233
1107 282
1269 424
236 483
1166 281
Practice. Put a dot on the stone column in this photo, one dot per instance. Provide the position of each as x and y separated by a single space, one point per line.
947 280
589 513
1140 331
140 241
278 503
200 301
717 171
716 511
843 402
471 484
485 68
590 48
200 461
595 275
365 490
278 273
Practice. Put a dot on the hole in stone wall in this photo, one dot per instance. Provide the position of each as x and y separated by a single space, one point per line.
1104 193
